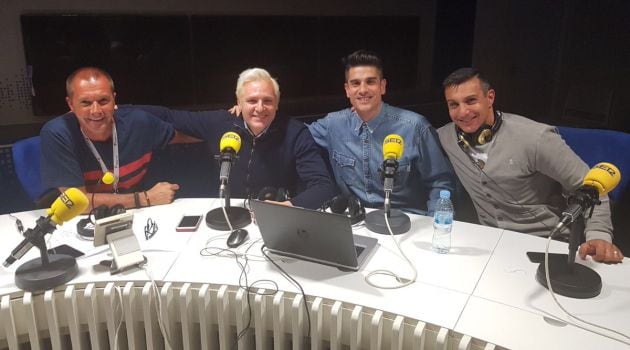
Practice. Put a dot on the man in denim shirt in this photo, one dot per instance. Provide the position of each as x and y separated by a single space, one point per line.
354 140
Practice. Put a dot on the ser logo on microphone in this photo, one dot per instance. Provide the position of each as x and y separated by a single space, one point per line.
606 168
65 199
397 140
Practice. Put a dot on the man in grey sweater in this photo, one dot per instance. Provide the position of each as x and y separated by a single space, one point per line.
515 169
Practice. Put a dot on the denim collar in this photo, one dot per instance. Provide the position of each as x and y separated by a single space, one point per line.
357 122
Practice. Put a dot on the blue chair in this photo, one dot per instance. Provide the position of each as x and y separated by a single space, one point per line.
26 163
594 146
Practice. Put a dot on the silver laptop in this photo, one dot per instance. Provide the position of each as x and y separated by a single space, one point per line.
312 235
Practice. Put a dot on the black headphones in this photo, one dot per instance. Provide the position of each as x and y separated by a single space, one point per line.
483 135
270 193
339 204
102 211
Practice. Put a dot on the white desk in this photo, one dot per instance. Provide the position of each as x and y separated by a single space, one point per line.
484 288
509 282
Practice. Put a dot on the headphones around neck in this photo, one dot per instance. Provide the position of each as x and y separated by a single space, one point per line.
339 204
483 135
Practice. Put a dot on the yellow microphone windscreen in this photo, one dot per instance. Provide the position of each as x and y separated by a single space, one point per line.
393 146
604 177
69 204
230 140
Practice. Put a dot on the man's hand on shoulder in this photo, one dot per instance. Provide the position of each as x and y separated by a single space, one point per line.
162 193
235 111
601 251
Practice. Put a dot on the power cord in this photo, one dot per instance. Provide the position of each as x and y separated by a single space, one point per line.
403 281
156 291
555 300
296 283
122 315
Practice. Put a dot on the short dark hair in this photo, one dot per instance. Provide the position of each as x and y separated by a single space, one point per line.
362 58
89 72
463 75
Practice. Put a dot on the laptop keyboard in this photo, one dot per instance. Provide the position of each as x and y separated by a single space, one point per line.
359 249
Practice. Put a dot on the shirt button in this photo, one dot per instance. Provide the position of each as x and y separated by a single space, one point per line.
488 195
484 182
500 218
496 206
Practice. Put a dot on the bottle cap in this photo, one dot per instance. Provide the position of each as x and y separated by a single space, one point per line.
446 194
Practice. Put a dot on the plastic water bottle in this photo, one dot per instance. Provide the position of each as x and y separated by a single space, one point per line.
443 223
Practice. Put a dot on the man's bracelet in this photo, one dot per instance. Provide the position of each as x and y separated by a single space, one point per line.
146 196
136 199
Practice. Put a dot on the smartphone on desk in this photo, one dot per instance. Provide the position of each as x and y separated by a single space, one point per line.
188 223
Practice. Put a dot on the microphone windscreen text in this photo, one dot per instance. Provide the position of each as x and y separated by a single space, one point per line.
69 204
604 177
230 140
393 147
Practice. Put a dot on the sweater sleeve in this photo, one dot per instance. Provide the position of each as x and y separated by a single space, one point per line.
555 159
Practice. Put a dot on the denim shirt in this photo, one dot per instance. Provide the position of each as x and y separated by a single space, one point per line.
355 150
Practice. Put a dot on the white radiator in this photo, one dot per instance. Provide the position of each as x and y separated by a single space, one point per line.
205 316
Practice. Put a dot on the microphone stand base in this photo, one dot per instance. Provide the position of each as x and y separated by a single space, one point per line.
580 282
239 218
33 276
398 221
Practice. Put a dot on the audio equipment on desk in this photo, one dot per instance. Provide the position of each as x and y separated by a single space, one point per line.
339 204
270 193
49 270
237 217
85 227
117 231
567 277
399 222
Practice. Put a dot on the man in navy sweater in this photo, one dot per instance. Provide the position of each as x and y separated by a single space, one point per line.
276 151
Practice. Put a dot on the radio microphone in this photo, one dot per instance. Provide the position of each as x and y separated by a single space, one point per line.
69 204
600 180
393 147
568 278
399 222
237 217
229 146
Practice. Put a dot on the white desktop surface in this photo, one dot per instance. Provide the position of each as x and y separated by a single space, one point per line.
509 279
516 328
424 301
485 287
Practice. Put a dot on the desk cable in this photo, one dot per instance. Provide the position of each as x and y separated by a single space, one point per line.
403 281
296 283
242 277
570 315
158 303
122 315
